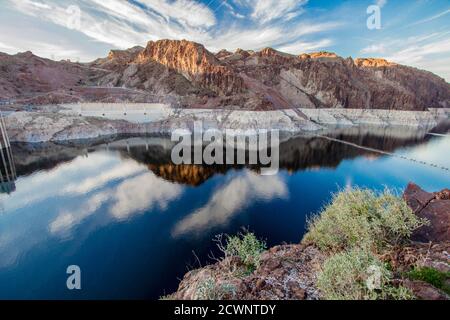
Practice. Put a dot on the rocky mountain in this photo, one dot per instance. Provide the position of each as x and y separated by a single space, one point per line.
186 74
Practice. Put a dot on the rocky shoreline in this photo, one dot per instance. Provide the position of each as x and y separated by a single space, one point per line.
291 271
92 121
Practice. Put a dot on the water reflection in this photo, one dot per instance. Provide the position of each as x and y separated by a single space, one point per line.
123 202
296 153
229 199
72 192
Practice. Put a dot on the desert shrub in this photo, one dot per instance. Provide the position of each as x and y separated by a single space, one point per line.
357 274
210 290
247 247
432 276
362 218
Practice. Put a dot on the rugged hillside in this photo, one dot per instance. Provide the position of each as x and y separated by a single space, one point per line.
124 70
194 62
186 74
326 80
25 74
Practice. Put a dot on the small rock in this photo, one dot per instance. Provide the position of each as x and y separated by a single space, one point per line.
278 292
296 292
272 264
260 283
279 273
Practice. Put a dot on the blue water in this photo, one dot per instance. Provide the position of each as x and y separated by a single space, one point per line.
133 232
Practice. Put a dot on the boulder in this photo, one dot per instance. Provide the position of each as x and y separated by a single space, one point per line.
435 207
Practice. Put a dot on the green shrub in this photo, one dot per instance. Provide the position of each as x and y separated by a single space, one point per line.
210 290
362 218
432 276
247 247
357 274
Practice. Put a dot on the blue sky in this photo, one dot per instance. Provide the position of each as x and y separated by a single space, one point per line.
415 33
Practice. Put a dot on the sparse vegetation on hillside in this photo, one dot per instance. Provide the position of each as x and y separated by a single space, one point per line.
355 229
210 290
362 218
357 274
247 247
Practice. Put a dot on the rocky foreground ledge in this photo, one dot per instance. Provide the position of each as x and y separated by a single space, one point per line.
292 271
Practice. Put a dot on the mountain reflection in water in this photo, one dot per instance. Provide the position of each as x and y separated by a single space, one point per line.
122 210
297 153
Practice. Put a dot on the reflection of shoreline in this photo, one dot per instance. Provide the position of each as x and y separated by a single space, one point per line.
297 153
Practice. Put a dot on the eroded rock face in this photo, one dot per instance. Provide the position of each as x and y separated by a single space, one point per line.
285 273
187 74
433 206
325 80
194 62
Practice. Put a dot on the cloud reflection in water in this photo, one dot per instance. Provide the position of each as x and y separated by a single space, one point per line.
52 203
230 199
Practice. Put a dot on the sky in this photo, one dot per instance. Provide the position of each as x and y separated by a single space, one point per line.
411 32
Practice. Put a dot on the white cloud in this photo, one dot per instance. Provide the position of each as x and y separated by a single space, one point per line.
123 25
374 48
429 19
268 10
40 5
44 49
301 46
270 36
7 48
187 12
420 52
425 51
381 3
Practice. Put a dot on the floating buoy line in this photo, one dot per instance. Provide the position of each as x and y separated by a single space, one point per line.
382 151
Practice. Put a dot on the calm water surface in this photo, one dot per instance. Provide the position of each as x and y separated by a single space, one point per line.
131 220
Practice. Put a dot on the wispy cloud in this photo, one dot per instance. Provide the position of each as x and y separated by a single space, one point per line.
269 10
123 24
429 19
426 51
301 46
381 3
374 48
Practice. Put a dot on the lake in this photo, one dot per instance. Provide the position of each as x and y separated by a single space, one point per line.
135 223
